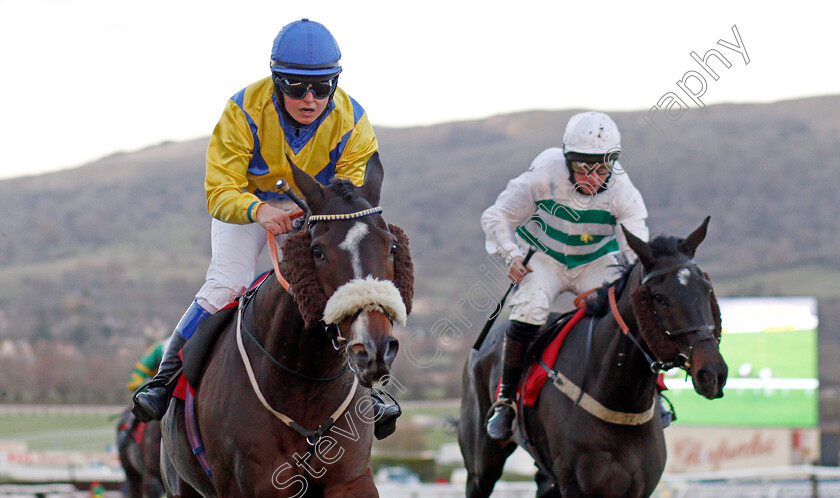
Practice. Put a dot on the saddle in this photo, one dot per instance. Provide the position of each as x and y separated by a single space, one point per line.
546 347
195 352
548 333
198 348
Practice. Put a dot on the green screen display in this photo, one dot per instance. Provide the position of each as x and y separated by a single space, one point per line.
770 346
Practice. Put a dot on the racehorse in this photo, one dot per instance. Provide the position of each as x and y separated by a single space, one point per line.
595 429
138 448
283 405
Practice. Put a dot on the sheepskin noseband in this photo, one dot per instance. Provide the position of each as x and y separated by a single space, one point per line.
365 294
298 267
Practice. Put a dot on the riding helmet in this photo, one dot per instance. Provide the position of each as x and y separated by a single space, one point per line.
305 48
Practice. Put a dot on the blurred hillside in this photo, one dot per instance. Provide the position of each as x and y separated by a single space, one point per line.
108 255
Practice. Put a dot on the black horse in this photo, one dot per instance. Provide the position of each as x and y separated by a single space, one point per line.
138 448
595 429
284 406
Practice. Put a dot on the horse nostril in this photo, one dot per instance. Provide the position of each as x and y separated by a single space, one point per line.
361 354
391 350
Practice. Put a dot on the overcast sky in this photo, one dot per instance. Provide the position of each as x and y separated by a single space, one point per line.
82 79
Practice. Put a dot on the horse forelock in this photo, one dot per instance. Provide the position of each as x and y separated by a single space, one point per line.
343 188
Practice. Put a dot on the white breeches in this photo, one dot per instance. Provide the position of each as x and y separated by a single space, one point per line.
236 249
531 302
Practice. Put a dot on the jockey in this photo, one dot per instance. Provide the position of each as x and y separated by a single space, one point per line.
147 367
298 111
570 204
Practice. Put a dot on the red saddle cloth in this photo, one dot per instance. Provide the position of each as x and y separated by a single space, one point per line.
537 374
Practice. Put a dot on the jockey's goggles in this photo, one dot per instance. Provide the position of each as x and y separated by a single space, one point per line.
297 89
583 168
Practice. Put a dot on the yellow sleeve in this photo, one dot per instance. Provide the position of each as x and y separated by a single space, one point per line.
360 147
230 150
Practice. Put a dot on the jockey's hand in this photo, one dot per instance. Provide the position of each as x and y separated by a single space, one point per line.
517 270
273 219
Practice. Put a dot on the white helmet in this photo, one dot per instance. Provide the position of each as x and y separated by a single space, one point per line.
591 133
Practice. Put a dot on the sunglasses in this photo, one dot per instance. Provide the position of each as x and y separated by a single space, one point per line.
589 168
297 89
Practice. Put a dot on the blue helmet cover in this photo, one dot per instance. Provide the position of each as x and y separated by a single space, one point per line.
305 48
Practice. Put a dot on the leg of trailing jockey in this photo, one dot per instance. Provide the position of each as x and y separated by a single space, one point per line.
151 399
503 412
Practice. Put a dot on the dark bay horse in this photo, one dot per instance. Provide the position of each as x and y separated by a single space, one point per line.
595 429
138 448
283 405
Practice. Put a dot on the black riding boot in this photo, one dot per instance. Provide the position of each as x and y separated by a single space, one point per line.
503 412
151 403
386 423
152 398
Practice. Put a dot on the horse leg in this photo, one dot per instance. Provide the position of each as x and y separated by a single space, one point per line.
181 473
489 464
546 487
361 487
484 457
152 487
133 477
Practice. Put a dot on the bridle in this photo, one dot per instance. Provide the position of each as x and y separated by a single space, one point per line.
682 360
333 333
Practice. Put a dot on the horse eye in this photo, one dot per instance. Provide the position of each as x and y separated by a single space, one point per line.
661 299
318 254
393 247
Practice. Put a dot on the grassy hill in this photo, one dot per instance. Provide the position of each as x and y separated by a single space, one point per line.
112 252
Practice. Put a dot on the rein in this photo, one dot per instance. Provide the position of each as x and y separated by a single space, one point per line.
586 401
682 360
275 260
312 436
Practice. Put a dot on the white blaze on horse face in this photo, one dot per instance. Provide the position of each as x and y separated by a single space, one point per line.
683 275
358 327
351 244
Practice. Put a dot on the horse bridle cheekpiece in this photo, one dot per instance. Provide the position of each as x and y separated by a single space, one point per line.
660 339
299 268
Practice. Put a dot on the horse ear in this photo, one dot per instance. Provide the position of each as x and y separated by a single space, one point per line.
312 191
373 180
640 247
688 246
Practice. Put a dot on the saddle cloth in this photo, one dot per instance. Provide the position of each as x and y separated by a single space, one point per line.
536 374
546 348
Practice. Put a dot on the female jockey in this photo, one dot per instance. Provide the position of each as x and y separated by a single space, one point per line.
300 112
570 205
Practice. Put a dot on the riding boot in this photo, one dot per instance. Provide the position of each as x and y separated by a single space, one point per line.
668 413
385 416
666 407
503 412
152 398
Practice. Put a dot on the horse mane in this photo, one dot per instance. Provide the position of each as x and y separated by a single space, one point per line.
598 304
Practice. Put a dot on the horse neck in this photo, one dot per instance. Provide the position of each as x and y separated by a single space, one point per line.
276 323
621 371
